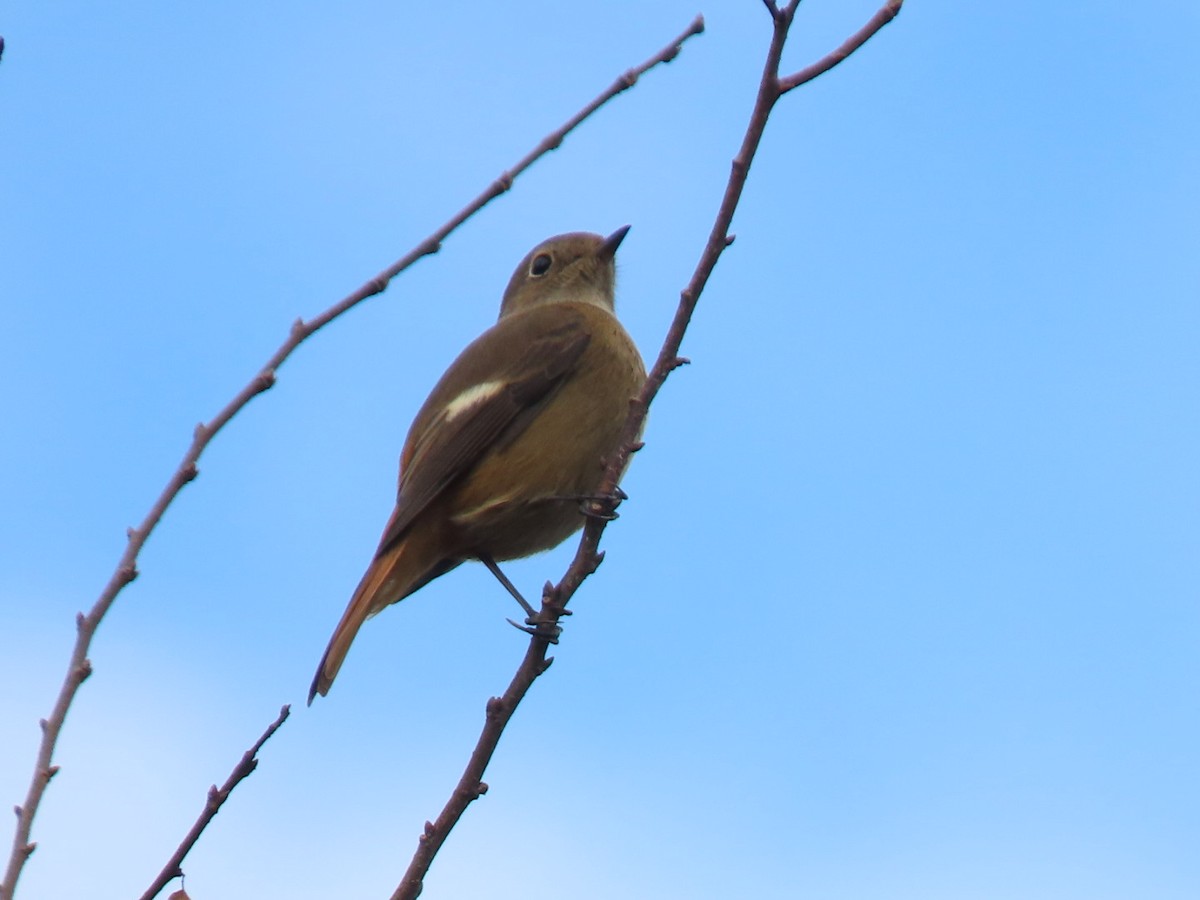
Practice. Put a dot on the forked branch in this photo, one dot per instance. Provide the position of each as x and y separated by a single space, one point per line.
588 557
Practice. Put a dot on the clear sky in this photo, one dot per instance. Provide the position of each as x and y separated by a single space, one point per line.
904 601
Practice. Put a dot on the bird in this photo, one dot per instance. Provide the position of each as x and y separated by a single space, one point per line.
513 437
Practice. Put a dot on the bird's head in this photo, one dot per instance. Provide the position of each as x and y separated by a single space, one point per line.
577 267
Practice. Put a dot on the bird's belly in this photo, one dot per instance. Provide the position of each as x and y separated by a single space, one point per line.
510 530
526 497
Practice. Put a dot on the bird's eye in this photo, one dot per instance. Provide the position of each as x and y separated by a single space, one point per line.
540 264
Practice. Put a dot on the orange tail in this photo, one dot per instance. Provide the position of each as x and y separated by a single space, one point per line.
388 579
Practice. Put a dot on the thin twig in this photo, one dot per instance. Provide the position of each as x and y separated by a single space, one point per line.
471 786
212 805
588 556
79 666
884 15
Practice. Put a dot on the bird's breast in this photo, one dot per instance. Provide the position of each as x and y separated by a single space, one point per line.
525 497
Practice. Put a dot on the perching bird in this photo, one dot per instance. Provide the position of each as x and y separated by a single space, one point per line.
513 436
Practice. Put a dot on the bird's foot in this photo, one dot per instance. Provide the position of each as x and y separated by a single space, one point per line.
544 623
543 627
601 506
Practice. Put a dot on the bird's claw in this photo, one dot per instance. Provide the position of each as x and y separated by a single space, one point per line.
534 627
602 506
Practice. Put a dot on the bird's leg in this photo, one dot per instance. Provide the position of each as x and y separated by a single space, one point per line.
508 585
534 624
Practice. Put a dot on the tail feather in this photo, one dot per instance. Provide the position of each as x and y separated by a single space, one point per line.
383 583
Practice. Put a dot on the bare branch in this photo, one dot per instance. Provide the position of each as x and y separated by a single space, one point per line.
79 667
885 14
471 786
588 557
212 805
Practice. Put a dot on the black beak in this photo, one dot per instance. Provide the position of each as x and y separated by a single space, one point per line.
609 248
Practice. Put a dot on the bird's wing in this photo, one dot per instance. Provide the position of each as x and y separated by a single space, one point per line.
488 396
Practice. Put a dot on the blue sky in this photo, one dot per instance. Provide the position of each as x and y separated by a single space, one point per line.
904 601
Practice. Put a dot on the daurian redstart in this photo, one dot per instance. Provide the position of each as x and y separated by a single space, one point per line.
513 436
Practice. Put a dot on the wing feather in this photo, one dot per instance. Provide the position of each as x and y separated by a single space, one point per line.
465 416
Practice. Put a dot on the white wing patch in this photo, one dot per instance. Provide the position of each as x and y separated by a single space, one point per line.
472 397
470 516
